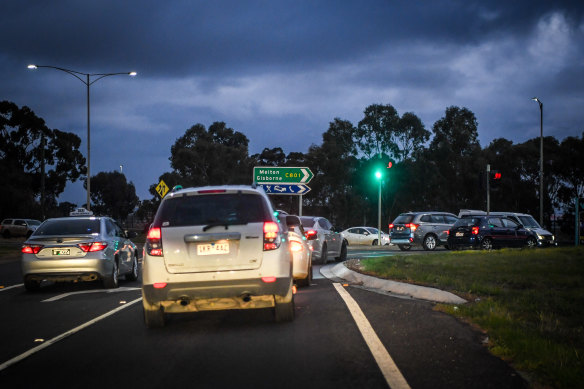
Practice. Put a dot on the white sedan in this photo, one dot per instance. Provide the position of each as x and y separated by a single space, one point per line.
301 251
364 236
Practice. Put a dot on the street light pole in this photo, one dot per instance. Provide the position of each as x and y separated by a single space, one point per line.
540 160
88 82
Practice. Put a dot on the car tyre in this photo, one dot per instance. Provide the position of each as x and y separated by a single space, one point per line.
32 285
112 281
284 310
404 247
531 242
133 275
374 243
429 242
487 244
324 254
343 254
153 318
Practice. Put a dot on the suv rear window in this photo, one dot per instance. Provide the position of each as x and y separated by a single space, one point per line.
403 219
69 227
229 208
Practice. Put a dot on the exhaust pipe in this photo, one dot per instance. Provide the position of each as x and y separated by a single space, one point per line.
246 298
184 301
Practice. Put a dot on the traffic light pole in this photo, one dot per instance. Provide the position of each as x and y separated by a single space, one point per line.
488 189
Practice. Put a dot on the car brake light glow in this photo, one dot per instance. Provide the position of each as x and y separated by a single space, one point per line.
31 248
412 226
295 246
92 247
154 242
391 226
210 191
271 236
269 280
159 285
475 230
310 233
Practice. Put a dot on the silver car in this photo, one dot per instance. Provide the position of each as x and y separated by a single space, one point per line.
364 236
328 243
78 249
216 248
426 229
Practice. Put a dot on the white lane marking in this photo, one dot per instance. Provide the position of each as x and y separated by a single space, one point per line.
61 296
11 287
64 335
388 368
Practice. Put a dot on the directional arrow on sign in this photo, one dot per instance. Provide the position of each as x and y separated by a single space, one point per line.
285 189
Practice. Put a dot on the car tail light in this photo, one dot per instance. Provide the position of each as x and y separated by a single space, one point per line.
295 246
31 248
269 280
154 242
271 236
391 226
475 230
211 191
413 227
310 233
159 285
92 247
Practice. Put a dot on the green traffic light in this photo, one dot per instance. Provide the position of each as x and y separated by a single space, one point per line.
378 174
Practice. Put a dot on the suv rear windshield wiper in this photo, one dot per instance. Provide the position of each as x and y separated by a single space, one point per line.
223 223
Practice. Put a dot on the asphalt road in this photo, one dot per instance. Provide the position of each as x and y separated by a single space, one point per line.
107 345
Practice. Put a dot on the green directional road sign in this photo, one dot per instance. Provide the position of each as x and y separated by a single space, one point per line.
274 174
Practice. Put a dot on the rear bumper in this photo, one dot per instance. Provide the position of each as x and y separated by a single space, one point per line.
65 269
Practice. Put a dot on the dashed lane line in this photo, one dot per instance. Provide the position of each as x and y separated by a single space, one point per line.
64 335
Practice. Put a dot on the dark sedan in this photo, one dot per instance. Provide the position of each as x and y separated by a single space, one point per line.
488 232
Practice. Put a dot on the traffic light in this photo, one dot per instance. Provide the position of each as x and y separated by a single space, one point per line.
495 175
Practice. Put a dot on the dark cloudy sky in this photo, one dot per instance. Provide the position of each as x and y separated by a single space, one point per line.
280 71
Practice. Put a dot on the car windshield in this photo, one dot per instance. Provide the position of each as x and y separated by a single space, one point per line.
467 222
372 230
307 222
61 227
529 222
403 219
215 209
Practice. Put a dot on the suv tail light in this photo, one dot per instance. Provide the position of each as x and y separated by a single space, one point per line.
92 247
475 230
31 248
310 233
391 226
412 226
271 236
154 242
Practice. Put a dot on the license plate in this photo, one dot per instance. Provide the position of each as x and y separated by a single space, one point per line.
460 234
61 251
213 249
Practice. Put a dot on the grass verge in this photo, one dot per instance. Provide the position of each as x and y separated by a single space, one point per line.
529 302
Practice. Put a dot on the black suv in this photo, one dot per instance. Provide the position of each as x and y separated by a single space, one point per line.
488 232
426 229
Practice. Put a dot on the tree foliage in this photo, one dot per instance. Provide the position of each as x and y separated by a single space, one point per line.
112 195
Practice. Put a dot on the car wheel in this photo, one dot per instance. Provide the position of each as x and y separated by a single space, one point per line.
531 242
487 244
153 318
112 281
404 247
32 285
429 242
284 309
374 243
133 275
343 255
323 254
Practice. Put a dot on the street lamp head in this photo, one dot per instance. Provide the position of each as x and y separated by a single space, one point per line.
31 66
132 74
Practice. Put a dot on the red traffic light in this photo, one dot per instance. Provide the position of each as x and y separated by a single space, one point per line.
389 164
497 176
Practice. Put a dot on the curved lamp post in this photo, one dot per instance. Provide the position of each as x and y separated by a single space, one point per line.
88 79
540 160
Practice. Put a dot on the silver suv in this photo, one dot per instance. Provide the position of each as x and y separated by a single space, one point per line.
18 227
215 248
426 229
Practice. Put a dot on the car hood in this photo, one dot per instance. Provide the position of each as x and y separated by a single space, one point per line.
539 231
